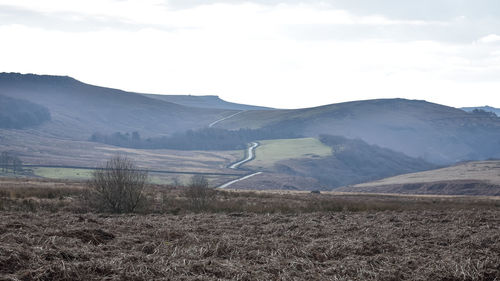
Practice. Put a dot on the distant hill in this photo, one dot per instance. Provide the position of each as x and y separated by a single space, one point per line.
209 101
79 109
485 108
351 162
19 114
375 138
470 178
436 133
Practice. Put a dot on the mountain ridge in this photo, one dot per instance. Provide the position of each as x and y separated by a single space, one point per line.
434 133
205 101
83 109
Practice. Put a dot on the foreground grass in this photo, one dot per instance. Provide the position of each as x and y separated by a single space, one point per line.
48 233
410 245
272 151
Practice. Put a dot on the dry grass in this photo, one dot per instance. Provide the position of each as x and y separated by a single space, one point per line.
247 236
57 195
389 245
37 148
480 177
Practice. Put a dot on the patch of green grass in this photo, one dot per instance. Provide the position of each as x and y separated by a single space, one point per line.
271 151
154 178
62 173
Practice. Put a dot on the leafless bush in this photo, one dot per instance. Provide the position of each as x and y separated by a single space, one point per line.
198 193
118 186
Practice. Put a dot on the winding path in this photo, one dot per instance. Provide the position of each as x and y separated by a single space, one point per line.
236 166
240 179
250 156
225 118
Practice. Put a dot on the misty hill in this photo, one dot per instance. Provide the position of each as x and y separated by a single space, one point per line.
209 101
352 161
18 114
79 109
484 108
469 178
420 129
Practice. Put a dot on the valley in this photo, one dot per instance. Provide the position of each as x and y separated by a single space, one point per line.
320 148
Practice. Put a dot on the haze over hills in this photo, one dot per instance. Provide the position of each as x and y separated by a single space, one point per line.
436 133
79 109
368 139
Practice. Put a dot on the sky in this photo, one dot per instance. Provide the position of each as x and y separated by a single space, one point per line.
283 54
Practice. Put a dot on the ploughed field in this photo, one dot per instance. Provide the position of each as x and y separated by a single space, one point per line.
47 234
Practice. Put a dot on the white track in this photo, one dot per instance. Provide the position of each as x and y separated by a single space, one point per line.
250 155
235 166
240 179
225 118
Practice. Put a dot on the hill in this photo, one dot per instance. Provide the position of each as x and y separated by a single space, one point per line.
470 178
485 108
436 133
376 138
79 109
332 161
208 101
18 114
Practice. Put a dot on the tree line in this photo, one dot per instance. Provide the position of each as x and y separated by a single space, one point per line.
10 162
202 139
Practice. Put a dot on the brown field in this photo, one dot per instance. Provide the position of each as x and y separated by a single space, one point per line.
36 148
470 178
48 233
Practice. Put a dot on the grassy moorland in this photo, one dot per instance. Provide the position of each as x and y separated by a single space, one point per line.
469 178
272 151
155 178
47 232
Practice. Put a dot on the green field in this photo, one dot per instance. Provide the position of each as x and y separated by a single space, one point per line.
62 173
272 151
155 178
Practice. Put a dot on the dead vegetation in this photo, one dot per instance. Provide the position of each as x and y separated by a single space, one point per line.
389 245
248 236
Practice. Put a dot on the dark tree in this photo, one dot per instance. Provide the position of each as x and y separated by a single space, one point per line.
198 193
118 186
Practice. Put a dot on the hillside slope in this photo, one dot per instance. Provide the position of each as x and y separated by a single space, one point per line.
351 161
470 178
205 102
18 113
485 108
434 132
79 109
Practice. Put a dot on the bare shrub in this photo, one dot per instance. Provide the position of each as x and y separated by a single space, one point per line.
117 187
198 193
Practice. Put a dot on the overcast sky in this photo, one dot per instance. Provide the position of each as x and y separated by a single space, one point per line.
284 54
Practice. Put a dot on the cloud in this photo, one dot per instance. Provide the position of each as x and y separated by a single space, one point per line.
491 38
293 54
70 21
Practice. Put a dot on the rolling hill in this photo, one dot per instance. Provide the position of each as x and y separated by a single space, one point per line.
374 138
332 161
208 101
18 113
436 133
485 108
78 109
470 178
